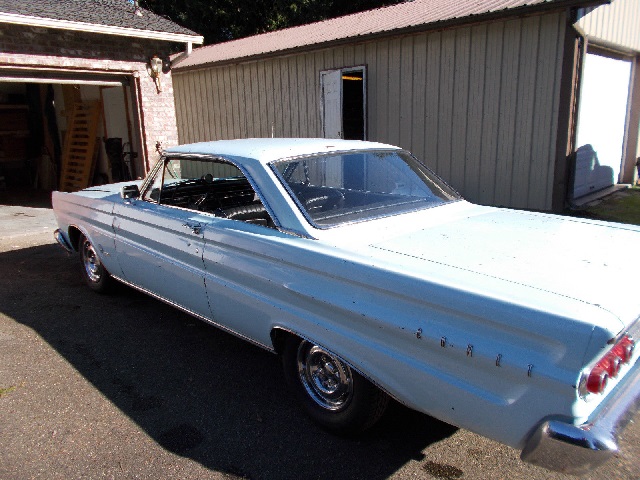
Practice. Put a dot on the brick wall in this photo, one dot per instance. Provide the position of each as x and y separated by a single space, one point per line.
68 51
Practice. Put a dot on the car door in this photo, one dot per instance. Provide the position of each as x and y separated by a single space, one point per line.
159 249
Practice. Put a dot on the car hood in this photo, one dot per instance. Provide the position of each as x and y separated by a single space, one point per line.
568 257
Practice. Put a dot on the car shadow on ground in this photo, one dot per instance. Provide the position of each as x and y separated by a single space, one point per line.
197 391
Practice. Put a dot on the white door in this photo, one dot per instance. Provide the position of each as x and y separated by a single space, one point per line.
601 122
331 84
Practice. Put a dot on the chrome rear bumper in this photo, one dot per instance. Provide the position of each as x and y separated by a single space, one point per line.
578 449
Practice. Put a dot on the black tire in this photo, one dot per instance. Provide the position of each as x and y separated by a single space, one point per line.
335 397
95 275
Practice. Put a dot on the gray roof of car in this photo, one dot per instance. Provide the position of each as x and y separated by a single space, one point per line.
111 13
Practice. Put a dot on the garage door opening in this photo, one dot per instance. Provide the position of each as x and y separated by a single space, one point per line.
35 122
604 97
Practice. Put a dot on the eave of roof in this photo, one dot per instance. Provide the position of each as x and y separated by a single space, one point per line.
411 16
31 21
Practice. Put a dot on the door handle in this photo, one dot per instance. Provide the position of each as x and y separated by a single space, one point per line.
196 228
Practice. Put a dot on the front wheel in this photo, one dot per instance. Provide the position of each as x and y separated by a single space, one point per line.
95 275
333 395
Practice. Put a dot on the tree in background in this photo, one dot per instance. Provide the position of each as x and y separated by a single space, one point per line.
222 20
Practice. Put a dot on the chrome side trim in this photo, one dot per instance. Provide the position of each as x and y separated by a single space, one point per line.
196 315
62 241
577 449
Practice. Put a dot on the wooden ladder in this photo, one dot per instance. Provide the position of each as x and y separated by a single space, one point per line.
79 147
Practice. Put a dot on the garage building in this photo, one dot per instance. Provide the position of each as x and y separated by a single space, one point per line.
86 92
487 93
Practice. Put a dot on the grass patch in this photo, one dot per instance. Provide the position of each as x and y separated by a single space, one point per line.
622 206
5 391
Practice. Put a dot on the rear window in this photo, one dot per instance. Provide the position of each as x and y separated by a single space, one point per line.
358 186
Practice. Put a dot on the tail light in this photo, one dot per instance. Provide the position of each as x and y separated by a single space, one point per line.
597 380
609 365
624 349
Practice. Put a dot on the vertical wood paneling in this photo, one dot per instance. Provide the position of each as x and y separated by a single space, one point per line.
277 100
477 86
193 106
509 83
382 92
252 107
223 76
186 103
445 104
291 100
218 78
338 58
407 99
196 105
478 104
285 88
419 85
312 106
460 117
263 113
241 101
432 99
394 95
359 54
268 92
491 114
544 116
552 93
525 109
208 104
302 96
231 76
201 110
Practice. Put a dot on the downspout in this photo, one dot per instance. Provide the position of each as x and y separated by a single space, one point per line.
182 55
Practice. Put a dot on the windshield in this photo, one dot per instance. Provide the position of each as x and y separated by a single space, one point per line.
357 186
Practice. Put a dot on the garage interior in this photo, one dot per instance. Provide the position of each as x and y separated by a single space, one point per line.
66 134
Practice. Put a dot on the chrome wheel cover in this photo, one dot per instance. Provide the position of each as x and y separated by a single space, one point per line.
326 379
91 262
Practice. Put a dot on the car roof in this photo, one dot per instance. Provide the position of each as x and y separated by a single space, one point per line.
270 149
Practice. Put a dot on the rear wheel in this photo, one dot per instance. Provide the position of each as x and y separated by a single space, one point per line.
95 275
333 395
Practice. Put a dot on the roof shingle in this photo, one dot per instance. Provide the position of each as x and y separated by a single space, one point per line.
112 13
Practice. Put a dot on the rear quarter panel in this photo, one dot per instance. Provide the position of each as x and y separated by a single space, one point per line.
457 355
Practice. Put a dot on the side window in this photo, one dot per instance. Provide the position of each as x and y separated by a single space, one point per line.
211 186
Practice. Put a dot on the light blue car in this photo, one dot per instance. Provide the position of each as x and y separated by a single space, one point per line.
372 279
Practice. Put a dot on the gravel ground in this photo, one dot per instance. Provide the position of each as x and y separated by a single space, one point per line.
123 386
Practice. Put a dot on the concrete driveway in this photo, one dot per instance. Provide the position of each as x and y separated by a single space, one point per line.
123 386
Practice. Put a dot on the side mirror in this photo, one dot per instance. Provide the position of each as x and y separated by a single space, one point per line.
130 191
